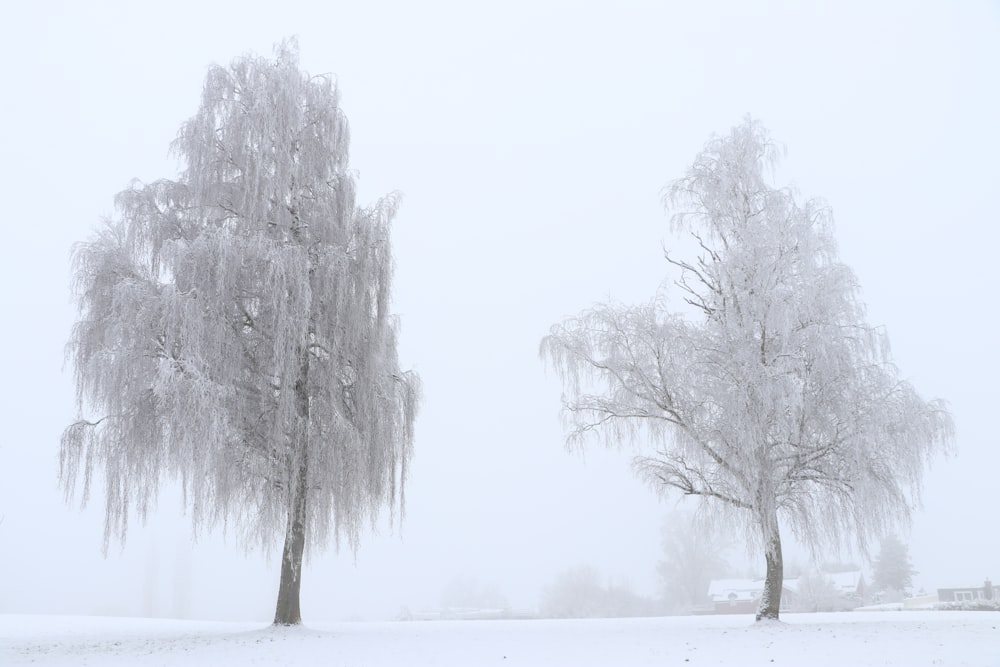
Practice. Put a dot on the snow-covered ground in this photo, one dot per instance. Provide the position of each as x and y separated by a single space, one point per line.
858 638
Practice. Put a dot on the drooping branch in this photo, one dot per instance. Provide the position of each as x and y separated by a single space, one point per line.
691 481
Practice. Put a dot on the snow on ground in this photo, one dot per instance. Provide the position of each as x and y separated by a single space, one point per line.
858 638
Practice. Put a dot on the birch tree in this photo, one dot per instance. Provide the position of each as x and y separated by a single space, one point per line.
765 392
234 330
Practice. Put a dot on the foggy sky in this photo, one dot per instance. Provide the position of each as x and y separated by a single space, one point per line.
530 141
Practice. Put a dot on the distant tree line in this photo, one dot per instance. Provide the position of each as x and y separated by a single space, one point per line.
580 592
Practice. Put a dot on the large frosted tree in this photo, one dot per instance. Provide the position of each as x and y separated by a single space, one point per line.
765 392
235 331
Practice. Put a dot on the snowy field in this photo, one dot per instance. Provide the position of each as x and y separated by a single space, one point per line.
858 638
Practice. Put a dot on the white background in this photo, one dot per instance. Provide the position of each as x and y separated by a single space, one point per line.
531 141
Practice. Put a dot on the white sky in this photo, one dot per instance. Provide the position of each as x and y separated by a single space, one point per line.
530 140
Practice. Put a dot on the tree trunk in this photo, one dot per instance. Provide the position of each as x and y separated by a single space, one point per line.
288 611
770 600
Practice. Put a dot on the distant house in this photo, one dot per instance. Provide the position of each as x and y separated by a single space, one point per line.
737 596
849 584
969 593
742 596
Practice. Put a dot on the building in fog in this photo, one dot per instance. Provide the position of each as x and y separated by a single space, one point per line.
968 593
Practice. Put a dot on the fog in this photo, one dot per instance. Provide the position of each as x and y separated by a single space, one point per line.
531 142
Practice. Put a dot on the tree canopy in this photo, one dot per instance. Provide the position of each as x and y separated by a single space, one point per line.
767 393
235 332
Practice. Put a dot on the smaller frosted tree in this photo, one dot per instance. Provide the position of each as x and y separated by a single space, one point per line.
892 568
694 552
576 593
769 395
466 592
816 591
235 331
